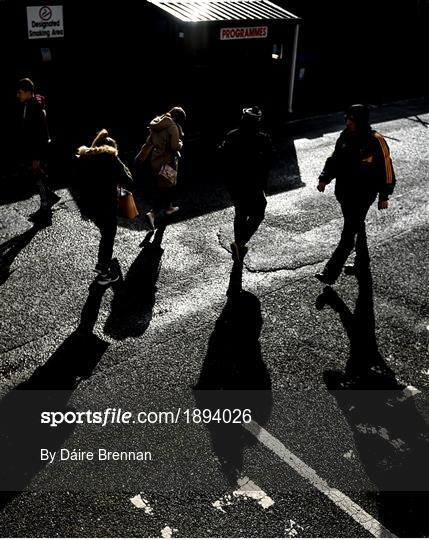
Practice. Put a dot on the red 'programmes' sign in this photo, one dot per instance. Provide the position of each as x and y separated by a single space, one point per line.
246 32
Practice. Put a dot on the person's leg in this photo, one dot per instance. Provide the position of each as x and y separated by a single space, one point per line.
240 220
354 219
105 250
256 216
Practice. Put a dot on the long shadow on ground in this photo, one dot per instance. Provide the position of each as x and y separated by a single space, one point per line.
390 435
49 388
234 377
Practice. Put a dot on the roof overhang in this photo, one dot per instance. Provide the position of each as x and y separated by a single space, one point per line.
224 10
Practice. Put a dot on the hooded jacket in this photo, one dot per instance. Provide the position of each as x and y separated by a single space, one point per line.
165 135
361 165
100 172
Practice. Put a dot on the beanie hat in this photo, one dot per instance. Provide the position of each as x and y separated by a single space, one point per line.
252 113
26 85
359 114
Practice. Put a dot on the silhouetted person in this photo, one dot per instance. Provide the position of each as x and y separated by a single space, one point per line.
32 139
162 148
363 169
100 173
246 153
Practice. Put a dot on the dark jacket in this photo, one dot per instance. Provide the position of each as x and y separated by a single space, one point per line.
361 165
100 171
246 158
32 131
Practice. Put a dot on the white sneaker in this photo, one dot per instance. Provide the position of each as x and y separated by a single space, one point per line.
171 210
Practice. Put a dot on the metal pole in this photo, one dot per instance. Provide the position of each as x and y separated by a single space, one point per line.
293 68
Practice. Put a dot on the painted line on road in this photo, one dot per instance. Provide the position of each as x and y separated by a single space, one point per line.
336 496
167 532
246 490
139 502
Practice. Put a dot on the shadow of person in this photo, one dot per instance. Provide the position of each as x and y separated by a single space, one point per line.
11 248
49 388
234 377
134 298
391 436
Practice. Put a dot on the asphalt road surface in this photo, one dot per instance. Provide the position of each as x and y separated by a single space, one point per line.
320 453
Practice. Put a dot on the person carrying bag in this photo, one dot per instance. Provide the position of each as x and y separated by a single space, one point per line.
101 172
162 150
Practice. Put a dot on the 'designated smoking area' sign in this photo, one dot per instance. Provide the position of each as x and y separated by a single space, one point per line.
45 22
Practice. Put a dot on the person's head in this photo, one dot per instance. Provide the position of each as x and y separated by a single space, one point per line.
357 118
103 139
178 115
251 117
24 90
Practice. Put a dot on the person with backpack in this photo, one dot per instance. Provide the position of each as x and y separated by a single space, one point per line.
246 156
162 150
363 170
32 140
100 173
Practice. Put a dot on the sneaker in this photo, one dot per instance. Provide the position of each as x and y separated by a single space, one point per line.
150 220
324 278
171 210
99 269
107 279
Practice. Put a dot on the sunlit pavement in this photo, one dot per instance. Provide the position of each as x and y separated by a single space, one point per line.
313 461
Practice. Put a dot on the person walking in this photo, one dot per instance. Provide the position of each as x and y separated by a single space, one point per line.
101 172
246 155
362 167
32 140
162 148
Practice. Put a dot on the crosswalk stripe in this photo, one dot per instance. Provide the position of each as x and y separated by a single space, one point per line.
336 496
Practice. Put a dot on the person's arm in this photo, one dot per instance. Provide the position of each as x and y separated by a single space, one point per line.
123 174
175 142
329 171
384 171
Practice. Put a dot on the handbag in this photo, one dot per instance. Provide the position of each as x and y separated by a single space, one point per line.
126 205
167 176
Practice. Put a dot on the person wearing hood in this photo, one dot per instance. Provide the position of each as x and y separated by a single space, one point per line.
162 147
101 171
363 170
246 153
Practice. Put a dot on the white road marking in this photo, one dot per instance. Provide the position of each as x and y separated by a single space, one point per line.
138 502
350 455
341 500
167 532
292 529
247 490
